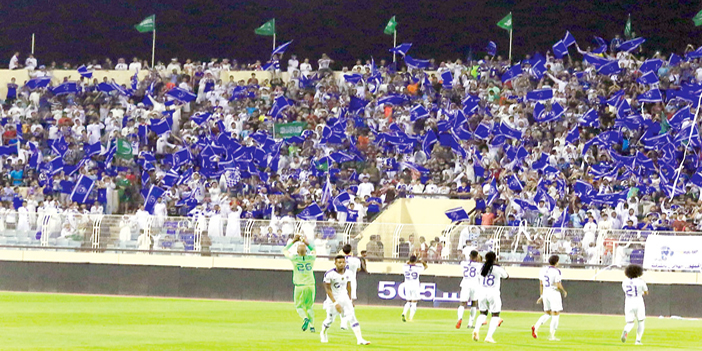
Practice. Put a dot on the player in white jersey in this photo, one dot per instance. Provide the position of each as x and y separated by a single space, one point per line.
412 271
353 266
550 289
634 309
469 288
489 296
338 302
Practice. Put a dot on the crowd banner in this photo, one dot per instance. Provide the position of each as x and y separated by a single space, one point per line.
288 130
673 252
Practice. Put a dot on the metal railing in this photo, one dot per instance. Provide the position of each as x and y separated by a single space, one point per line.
219 235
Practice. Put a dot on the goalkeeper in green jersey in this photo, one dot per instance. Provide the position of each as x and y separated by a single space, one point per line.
303 278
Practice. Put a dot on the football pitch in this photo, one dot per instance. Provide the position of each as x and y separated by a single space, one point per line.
78 322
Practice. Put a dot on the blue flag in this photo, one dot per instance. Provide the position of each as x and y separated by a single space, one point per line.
92 149
151 197
560 49
540 95
105 87
339 200
401 49
609 68
679 117
418 112
542 116
568 40
514 183
279 104
311 213
160 126
651 65
416 63
562 220
482 131
674 60
281 49
653 95
392 100
573 135
84 72
491 48
39 82
541 163
82 189
631 44
538 70
66 88
509 132
446 80
429 140
457 214
182 95
513 72
649 78
595 60
60 146
601 46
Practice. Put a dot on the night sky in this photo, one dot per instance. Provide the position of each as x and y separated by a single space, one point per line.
79 30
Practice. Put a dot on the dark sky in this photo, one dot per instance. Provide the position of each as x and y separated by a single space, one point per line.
79 30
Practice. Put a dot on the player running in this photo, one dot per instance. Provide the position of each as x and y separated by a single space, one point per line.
353 266
634 289
550 289
303 279
469 288
489 299
338 302
412 272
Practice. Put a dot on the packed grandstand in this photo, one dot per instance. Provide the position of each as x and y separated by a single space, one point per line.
602 138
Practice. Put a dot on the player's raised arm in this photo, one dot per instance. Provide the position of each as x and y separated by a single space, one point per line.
310 247
286 249
424 263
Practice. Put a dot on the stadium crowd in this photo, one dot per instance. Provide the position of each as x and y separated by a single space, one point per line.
593 143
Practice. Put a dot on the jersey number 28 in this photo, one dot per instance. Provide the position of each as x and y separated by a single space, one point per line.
469 272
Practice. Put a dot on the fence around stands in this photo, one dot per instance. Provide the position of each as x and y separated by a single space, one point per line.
521 245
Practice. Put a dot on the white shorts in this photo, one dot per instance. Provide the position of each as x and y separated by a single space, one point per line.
552 300
412 292
490 301
354 284
469 293
346 305
634 310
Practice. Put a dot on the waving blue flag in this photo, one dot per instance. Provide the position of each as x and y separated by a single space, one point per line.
674 60
560 49
679 117
631 44
601 46
539 70
457 214
281 49
92 149
482 131
82 189
446 80
416 63
651 65
279 104
356 105
66 88
513 72
105 87
181 94
609 68
353 78
597 61
569 39
151 197
429 140
540 95
311 213
514 183
84 72
649 78
573 136
160 126
418 112
39 82
60 146
509 132
491 48
401 49
392 100
541 116
653 95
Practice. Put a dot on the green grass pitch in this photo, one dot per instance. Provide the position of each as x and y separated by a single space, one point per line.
76 322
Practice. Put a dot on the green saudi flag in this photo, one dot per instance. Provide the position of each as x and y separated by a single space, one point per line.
506 23
124 149
627 28
697 19
267 28
390 27
147 25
